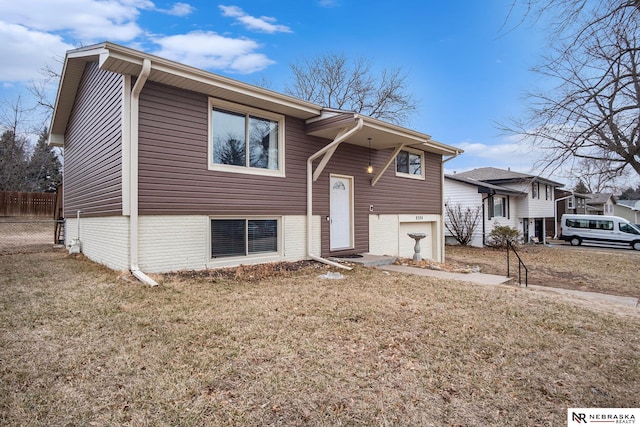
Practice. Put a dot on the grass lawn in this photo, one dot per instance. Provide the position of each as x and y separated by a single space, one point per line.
83 345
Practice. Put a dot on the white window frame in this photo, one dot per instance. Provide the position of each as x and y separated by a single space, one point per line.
571 203
422 165
258 257
242 109
502 201
535 190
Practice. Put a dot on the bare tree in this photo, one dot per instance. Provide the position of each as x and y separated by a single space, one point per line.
593 113
462 222
330 80
598 176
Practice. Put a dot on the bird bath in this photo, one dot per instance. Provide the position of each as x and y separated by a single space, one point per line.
417 237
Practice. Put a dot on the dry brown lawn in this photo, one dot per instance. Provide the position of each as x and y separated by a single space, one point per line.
609 271
82 345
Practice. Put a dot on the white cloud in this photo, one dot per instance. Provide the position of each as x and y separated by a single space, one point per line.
28 52
205 49
34 31
265 24
84 20
178 9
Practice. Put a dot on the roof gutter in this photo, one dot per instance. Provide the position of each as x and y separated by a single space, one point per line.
329 148
133 193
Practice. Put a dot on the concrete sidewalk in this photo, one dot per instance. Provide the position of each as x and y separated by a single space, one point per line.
490 279
386 263
479 278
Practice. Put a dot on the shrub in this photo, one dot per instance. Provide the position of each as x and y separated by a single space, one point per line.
462 222
501 234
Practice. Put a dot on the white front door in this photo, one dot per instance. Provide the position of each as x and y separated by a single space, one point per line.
340 235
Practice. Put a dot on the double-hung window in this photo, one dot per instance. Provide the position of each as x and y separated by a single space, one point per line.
410 164
245 140
497 207
243 237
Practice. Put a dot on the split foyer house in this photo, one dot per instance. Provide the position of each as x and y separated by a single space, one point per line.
168 167
504 198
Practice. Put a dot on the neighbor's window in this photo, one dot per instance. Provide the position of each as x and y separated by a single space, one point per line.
535 190
410 164
547 194
245 139
497 206
243 237
571 203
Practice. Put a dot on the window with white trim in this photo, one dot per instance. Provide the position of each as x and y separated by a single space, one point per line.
243 237
497 207
245 140
410 164
535 190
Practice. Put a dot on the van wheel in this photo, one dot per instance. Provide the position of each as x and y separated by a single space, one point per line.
636 245
575 241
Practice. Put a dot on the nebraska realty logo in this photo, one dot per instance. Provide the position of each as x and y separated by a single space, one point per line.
599 416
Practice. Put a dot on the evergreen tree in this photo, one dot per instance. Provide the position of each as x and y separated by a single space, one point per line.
43 171
581 188
13 162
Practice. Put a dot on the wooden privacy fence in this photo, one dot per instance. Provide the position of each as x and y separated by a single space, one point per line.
13 203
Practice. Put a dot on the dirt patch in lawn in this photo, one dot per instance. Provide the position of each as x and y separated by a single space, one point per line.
610 272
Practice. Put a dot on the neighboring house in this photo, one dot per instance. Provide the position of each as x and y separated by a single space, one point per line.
505 197
601 204
169 167
628 209
567 202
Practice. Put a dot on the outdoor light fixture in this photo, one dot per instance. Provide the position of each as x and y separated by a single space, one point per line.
370 167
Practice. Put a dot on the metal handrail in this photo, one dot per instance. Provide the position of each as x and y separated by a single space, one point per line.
520 265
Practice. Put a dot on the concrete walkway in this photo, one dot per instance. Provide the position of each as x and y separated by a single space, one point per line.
479 278
490 279
386 263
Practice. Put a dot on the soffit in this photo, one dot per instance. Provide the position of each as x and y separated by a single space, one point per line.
383 135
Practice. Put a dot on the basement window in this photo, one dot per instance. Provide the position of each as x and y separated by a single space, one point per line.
243 237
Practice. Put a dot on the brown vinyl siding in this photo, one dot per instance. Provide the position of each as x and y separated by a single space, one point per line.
174 176
391 194
93 146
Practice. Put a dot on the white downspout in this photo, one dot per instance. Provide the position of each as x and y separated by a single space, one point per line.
310 160
442 245
133 217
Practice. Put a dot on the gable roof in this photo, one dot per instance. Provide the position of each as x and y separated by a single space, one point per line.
631 204
600 198
126 61
502 176
486 187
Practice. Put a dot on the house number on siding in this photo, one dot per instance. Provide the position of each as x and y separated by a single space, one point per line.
419 217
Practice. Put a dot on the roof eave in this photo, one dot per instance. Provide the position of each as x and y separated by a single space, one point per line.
378 134
122 60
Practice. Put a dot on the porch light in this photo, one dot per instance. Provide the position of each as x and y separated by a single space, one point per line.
370 167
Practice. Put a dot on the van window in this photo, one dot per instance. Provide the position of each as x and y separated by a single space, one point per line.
628 228
593 224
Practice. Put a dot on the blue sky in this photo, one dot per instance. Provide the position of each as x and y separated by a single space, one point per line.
463 65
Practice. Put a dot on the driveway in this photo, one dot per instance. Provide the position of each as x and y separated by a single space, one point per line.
587 247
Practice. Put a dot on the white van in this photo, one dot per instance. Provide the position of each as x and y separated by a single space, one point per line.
609 230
